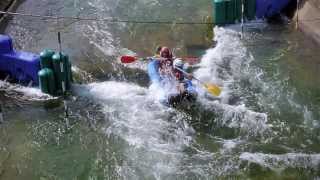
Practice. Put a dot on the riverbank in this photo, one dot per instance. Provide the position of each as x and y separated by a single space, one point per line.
307 15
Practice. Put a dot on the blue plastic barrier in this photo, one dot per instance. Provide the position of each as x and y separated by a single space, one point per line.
22 66
5 44
269 8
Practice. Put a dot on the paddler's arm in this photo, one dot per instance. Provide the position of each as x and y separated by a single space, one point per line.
189 76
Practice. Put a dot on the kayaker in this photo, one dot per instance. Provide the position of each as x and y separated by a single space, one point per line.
176 86
166 62
181 77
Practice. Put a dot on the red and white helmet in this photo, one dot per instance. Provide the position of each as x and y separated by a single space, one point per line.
165 52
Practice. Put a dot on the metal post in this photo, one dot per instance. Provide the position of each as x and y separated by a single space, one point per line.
30 83
63 83
6 78
1 115
297 20
242 18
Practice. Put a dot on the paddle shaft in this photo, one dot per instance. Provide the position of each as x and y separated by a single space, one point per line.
181 70
130 59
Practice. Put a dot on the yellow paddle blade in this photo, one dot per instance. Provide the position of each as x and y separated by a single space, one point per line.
213 89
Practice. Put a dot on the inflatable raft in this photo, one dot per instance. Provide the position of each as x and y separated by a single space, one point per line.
168 87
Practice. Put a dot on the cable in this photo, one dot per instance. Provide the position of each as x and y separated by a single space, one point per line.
110 20
116 20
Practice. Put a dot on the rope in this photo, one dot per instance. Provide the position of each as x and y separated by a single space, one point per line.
110 20
116 20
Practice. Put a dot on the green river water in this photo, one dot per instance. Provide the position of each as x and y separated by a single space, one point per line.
264 125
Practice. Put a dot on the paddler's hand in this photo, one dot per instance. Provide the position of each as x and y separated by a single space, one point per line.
161 59
189 76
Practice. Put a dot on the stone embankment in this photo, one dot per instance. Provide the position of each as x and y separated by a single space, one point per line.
309 18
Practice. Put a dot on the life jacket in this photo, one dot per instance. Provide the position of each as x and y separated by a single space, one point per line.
178 75
165 66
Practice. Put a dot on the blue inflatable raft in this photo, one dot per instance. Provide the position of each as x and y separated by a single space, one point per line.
171 97
19 65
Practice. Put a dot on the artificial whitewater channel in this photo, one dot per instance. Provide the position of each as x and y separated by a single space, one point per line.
265 124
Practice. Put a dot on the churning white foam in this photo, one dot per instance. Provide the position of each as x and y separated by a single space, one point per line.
154 140
224 65
22 92
282 161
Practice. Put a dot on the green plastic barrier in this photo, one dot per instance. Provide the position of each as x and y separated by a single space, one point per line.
61 75
250 9
46 58
238 10
230 11
51 76
69 72
219 12
47 81
66 75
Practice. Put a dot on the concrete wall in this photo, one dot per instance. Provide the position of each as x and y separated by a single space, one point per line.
309 18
